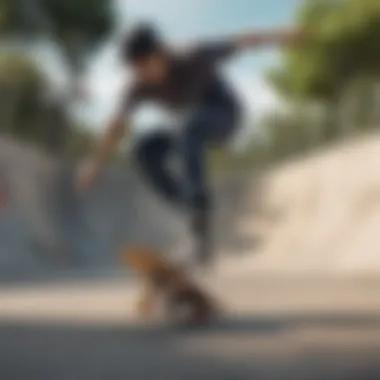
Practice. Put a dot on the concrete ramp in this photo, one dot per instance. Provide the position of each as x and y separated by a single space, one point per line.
317 215
44 218
42 215
322 214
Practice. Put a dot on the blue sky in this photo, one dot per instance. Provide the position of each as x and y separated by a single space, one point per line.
188 21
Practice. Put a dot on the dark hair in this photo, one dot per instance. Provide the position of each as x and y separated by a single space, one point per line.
140 43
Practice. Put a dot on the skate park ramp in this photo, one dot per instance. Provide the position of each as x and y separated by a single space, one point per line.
318 214
43 217
321 214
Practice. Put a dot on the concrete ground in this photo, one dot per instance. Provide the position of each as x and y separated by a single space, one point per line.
272 329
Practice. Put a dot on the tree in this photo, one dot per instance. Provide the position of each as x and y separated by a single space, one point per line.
76 26
21 84
339 55
342 44
29 112
79 27
23 106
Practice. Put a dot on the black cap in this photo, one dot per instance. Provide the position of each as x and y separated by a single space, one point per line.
141 42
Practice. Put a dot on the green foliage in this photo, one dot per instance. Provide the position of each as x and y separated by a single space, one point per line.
77 25
11 17
18 72
342 42
299 131
21 84
28 112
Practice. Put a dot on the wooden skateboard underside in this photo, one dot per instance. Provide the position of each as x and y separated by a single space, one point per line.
185 302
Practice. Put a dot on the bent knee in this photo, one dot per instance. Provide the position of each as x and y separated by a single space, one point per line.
152 149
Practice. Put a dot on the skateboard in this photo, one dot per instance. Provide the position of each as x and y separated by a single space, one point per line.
185 303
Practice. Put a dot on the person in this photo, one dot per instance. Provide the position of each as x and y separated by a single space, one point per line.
187 83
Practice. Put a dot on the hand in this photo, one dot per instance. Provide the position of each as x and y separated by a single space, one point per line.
87 175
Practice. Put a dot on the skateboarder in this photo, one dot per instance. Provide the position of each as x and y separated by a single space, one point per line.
188 84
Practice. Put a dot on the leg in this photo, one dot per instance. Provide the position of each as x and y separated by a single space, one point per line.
206 126
151 155
197 192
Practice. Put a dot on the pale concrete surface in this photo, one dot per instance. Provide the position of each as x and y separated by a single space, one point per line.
273 329
316 217
44 217
320 213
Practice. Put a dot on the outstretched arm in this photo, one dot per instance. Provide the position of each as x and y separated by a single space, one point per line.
117 127
91 169
218 51
259 39
108 143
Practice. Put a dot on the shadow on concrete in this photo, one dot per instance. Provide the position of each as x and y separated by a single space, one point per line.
69 352
272 324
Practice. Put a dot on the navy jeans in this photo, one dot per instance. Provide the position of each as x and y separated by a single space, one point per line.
206 127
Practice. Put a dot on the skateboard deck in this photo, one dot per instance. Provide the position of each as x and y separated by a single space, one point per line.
185 303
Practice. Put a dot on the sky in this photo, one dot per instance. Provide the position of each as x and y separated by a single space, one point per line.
183 21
